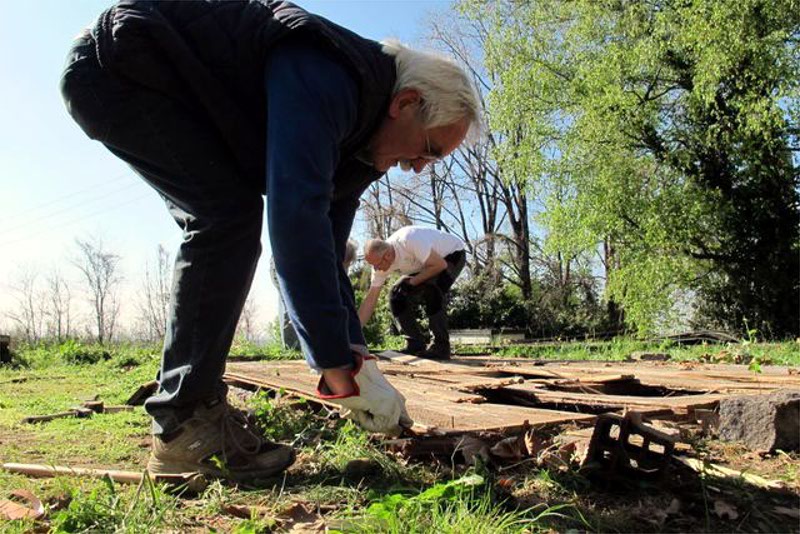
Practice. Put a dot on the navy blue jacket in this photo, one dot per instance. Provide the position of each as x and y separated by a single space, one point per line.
212 53
215 56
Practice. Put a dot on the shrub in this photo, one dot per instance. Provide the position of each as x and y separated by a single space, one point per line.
75 352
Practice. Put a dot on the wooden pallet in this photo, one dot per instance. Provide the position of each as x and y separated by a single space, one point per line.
489 394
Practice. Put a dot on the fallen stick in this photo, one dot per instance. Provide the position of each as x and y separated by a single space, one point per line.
194 482
725 472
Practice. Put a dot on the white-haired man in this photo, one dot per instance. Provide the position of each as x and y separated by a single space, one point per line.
217 103
429 261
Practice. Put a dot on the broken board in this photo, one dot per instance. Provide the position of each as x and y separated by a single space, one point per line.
474 394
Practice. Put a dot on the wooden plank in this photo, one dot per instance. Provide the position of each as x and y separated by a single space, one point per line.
703 378
442 394
728 379
538 393
408 359
428 402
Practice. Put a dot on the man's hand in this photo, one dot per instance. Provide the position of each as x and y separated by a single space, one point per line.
373 402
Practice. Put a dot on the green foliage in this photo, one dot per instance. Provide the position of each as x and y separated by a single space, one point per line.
105 509
479 302
271 350
75 352
353 443
466 504
665 131
377 330
281 420
254 526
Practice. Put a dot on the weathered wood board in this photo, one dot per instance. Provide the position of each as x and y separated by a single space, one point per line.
491 394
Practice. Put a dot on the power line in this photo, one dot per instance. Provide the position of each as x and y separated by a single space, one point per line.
39 220
75 221
27 211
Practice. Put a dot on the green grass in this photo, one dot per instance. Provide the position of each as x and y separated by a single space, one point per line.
392 496
618 349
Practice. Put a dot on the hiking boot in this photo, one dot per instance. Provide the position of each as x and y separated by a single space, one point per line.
413 347
220 442
436 351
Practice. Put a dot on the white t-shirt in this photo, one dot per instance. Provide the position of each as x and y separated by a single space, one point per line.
412 247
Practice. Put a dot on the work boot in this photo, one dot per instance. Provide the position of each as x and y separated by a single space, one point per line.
413 347
437 350
440 348
220 442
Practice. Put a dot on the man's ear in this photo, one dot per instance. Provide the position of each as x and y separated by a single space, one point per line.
402 100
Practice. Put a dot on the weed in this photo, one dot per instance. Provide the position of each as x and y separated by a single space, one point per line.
254 526
462 505
281 420
107 509
216 497
353 443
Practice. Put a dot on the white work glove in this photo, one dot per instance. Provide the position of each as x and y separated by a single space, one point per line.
375 404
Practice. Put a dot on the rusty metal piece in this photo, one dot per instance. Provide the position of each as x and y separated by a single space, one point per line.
636 451
74 412
144 391
98 406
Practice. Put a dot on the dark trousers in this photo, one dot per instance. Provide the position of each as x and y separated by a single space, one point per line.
175 150
433 294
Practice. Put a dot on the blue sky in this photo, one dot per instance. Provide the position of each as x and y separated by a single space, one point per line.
57 185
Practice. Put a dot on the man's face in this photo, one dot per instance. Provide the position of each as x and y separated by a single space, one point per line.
403 140
381 261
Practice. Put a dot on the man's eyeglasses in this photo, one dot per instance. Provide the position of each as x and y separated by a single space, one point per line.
428 156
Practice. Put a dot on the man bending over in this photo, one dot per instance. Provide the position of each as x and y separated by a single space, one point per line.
430 261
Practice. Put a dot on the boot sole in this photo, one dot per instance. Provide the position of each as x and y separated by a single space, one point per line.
160 467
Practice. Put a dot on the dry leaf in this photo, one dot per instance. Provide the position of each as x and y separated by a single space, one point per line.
659 515
473 448
505 483
725 510
302 517
245 512
10 509
674 507
510 449
559 458
533 443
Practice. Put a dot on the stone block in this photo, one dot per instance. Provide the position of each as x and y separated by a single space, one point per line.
762 422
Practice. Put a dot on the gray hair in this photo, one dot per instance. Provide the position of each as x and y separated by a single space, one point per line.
349 253
447 91
376 246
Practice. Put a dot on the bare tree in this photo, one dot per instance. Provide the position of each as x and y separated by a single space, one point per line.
383 212
28 316
155 297
100 271
247 328
59 307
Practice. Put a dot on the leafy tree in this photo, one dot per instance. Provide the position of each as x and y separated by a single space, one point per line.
666 131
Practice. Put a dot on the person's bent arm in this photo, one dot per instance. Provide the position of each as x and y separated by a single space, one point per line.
312 106
367 307
434 265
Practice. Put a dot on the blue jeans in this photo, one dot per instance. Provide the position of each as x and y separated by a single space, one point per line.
173 146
